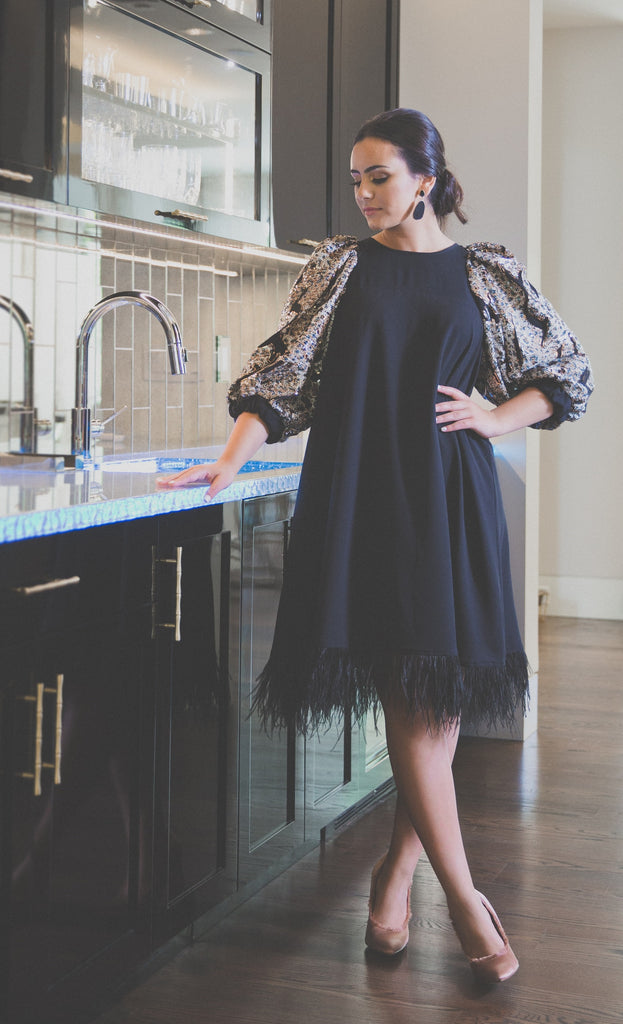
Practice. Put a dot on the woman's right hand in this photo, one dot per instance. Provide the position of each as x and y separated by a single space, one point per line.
217 474
249 433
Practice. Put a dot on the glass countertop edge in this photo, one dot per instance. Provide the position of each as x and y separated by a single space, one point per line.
81 516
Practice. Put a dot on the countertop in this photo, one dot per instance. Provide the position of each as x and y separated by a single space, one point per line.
37 500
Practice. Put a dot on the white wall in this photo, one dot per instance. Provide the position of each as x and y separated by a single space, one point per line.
475 69
581 551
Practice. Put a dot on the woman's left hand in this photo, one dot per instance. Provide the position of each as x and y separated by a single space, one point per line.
462 413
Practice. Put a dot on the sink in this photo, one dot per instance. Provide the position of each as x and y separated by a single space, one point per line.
175 464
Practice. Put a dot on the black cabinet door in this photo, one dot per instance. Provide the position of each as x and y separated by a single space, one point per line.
76 847
75 791
364 82
300 125
195 784
271 765
335 64
29 73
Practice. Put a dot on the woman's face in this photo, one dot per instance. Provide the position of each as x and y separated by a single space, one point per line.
386 191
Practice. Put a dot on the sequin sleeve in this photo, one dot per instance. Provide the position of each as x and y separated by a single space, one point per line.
526 343
285 370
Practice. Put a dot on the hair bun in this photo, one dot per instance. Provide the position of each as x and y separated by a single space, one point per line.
449 196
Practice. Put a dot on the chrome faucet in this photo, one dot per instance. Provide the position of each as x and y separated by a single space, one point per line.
26 411
81 414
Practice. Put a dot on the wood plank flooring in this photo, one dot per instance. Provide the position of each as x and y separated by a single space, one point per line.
543 825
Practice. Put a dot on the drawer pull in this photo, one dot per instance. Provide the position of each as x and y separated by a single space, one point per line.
36 774
44 588
197 3
308 242
180 215
177 623
16 176
40 764
58 732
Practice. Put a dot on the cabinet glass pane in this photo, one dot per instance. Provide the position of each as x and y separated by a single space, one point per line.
165 117
248 8
374 739
270 781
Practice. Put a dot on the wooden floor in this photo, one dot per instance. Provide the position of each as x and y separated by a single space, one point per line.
543 825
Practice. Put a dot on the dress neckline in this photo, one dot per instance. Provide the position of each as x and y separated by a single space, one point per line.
414 252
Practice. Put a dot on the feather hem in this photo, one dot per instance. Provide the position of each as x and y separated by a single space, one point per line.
434 685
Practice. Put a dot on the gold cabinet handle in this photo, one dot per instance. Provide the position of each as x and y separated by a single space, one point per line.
308 242
40 764
177 623
49 585
16 176
197 3
36 774
58 729
180 215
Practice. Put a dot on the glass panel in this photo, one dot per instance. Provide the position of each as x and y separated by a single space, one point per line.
248 8
163 117
374 738
325 763
269 768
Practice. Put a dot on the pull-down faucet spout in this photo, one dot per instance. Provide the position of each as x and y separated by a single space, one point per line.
26 411
81 414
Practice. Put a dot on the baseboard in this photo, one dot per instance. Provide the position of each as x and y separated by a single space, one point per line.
582 597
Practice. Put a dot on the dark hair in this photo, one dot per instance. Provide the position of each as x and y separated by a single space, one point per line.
419 143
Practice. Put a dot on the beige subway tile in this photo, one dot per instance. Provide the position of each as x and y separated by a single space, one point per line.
174 433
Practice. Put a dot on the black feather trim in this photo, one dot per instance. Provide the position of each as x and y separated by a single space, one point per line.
437 686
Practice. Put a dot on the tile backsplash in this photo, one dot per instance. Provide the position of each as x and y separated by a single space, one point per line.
56 263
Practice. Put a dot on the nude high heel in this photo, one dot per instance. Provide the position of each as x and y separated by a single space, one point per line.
497 966
379 938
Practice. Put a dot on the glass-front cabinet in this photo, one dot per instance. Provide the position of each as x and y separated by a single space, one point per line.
169 114
249 19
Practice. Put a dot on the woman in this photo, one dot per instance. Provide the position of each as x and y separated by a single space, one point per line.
397 589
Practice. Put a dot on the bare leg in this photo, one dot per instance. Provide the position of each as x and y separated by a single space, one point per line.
421 762
402 856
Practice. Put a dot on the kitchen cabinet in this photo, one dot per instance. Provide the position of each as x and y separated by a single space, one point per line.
169 115
75 864
158 111
195 786
346 770
31 86
248 19
272 819
137 789
353 75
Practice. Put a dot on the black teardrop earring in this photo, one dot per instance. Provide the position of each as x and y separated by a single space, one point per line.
418 213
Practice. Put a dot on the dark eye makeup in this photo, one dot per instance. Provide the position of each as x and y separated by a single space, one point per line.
375 181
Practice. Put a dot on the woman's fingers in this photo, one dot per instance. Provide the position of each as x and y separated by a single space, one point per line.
462 413
203 474
218 477
219 482
454 392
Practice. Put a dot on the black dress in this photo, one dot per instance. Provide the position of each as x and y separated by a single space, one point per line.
398 575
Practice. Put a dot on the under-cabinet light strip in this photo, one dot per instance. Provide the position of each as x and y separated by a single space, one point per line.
124 256
242 250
